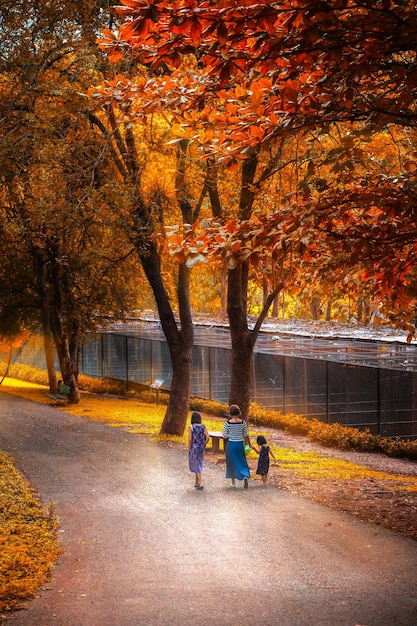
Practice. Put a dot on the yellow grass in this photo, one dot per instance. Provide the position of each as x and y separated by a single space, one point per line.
316 465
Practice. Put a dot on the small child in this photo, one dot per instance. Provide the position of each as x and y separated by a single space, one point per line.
264 452
197 440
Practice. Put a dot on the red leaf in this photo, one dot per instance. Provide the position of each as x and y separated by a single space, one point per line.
195 32
222 33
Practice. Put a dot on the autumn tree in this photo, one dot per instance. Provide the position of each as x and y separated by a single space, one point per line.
262 73
58 222
45 116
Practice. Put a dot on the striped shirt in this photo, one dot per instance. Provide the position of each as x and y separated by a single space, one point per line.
235 431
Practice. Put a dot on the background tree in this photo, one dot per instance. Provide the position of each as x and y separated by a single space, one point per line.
140 154
57 212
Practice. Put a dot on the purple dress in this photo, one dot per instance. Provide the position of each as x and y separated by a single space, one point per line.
263 461
196 451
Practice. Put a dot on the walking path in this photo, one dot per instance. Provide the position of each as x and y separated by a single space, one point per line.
143 547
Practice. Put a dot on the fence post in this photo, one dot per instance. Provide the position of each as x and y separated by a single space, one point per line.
327 393
209 369
127 361
378 400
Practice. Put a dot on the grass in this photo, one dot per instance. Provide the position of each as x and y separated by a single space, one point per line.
28 542
315 465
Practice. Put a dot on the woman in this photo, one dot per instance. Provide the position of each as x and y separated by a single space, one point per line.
235 431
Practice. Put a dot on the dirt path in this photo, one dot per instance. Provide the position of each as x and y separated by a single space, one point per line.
142 547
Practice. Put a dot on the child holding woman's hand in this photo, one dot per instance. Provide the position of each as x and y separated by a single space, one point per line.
264 452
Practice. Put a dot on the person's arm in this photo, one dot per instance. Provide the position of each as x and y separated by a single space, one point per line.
273 455
190 436
246 437
225 432
257 450
206 436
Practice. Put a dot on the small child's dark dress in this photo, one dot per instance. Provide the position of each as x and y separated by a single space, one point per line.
263 461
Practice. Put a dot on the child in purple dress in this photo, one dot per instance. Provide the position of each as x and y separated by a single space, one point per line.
197 440
264 452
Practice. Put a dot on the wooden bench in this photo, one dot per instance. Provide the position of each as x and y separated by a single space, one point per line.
62 395
216 437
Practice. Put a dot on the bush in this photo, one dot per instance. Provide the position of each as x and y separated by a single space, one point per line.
20 371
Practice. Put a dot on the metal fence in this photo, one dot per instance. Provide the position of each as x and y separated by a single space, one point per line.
307 377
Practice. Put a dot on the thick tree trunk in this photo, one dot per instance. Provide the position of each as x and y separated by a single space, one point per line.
315 308
175 419
275 307
64 327
180 341
241 374
237 294
243 339
328 311
176 415
40 273
242 346
50 280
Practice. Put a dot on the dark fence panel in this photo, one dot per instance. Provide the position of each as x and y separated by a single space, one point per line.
397 403
201 376
269 379
317 389
353 395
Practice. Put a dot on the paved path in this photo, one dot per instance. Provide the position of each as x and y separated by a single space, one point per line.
143 547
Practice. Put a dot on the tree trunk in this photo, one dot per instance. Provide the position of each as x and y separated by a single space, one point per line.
40 274
68 365
242 346
275 307
237 296
315 308
329 311
243 340
175 419
48 343
223 292
180 341
64 327
242 369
